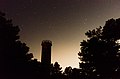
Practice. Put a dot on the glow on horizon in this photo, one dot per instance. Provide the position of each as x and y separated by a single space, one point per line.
64 55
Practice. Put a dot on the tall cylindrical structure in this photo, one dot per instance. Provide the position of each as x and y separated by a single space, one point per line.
46 52
46 58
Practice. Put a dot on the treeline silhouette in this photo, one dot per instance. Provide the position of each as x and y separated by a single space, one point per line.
99 55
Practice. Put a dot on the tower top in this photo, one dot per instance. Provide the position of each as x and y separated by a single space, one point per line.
46 42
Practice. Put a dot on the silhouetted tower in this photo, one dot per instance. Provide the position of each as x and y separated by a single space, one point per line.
46 58
46 52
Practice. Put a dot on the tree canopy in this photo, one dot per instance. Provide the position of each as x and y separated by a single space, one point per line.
14 56
99 55
56 72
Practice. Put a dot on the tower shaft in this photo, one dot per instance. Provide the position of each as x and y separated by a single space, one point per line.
46 58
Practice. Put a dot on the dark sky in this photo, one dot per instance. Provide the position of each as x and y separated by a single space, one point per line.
64 22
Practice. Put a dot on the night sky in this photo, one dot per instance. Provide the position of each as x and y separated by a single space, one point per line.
64 22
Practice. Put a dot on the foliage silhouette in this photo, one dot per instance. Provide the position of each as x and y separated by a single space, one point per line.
15 61
68 72
100 56
56 72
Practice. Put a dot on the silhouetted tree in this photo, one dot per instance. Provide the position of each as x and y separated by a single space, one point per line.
67 72
100 56
75 74
111 30
14 56
56 72
35 70
70 73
